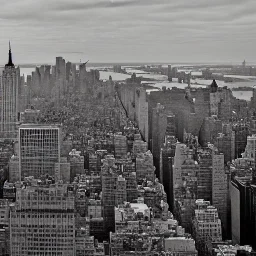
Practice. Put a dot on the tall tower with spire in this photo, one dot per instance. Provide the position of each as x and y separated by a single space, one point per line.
9 99
10 64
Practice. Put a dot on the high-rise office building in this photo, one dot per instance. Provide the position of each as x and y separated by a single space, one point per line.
220 188
242 211
39 149
250 148
62 170
113 190
60 79
225 142
76 163
120 143
145 168
60 68
43 220
169 73
206 225
204 176
13 166
9 99
242 131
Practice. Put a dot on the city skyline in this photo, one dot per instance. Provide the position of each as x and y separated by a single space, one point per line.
127 127
98 166
128 31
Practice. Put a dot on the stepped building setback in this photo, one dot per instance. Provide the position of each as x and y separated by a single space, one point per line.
9 99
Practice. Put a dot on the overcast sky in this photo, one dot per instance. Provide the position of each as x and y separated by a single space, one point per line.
128 30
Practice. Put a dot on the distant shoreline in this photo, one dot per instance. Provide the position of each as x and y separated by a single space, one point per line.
187 64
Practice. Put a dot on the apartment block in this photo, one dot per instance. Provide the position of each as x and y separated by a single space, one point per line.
180 246
206 225
62 170
120 143
144 167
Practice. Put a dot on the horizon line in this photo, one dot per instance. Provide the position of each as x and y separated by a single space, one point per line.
142 63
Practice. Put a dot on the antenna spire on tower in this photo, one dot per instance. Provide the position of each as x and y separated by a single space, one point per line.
10 64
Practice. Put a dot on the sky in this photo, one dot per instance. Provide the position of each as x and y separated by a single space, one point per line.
164 31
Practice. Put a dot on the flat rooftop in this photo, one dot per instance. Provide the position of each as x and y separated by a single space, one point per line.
39 126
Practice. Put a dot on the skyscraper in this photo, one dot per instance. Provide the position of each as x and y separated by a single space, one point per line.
60 79
42 222
206 225
9 99
220 188
169 73
241 211
39 149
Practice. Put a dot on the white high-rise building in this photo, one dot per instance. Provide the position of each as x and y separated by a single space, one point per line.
39 149
9 99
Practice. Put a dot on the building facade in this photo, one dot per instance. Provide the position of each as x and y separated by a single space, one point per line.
9 99
43 220
39 149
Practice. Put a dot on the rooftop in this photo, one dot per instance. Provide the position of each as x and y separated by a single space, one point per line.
39 126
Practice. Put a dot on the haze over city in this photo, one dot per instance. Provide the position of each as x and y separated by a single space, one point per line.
129 30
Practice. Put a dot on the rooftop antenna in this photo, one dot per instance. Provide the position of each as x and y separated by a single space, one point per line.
10 64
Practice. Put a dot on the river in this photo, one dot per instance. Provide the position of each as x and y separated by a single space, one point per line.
162 81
